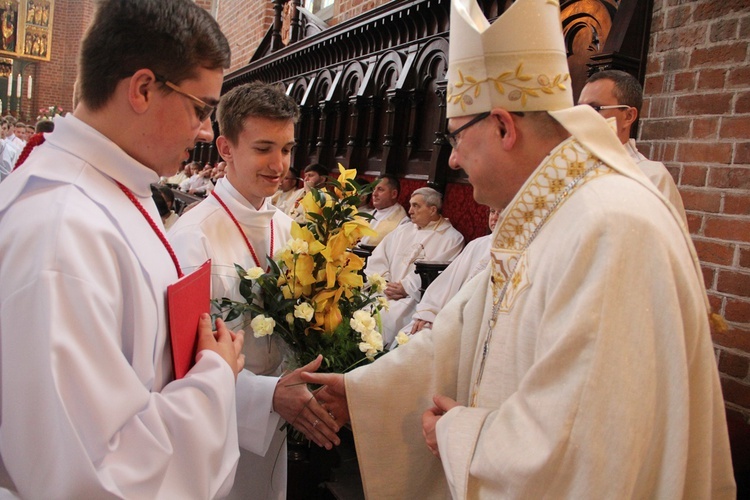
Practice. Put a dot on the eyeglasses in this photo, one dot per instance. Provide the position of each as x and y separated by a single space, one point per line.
452 137
611 106
202 108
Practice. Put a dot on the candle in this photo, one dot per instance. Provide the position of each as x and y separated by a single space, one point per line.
28 92
19 82
10 85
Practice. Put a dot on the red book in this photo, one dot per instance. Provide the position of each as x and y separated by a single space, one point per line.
187 299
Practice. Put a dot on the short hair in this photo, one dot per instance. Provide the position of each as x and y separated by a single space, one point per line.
19 125
431 197
173 38
317 168
392 181
257 99
627 90
44 126
159 201
168 194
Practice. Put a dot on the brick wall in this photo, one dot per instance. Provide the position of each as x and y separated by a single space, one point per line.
697 121
244 23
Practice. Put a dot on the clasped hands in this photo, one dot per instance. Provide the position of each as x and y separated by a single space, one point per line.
333 396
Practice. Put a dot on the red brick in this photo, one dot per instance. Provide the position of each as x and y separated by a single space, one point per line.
724 30
745 257
659 107
678 38
709 276
738 77
715 302
734 338
742 104
737 310
684 81
673 128
735 127
737 204
712 79
732 178
703 104
742 153
733 365
654 84
745 27
719 54
715 9
694 175
701 200
678 16
714 252
735 392
695 223
729 229
705 128
733 283
705 152
676 61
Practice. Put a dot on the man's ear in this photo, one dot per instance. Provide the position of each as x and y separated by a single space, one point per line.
140 88
224 147
631 115
504 127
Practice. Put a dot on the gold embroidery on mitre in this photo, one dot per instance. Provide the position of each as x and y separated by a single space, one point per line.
516 80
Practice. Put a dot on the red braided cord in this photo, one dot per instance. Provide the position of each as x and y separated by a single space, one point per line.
153 225
239 228
33 142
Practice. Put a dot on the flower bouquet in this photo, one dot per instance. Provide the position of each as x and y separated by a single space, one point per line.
49 112
313 294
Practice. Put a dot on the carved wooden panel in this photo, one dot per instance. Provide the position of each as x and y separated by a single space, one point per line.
372 88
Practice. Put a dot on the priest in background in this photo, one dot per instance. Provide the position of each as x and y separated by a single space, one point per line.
388 213
429 236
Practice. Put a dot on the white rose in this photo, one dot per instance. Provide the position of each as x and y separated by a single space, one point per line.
384 304
376 281
373 339
304 311
262 326
402 338
367 349
297 246
362 321
254 273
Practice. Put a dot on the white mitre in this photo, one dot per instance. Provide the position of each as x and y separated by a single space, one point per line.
517 63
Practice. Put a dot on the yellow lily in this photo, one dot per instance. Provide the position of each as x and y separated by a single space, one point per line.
327 313
345 175
357 229
302 233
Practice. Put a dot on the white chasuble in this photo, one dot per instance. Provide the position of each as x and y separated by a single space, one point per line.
584 368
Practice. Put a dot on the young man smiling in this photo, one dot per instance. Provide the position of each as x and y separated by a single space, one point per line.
237 224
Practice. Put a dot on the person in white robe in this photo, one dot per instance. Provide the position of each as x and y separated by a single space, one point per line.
617 94
429 236
574 366
388 213
287 195
91 408
470 262
237 224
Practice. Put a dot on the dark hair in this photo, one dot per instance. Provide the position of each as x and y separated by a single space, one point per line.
44 126
627 90
159 201
168 194
317 168
171 37
392 181
256 99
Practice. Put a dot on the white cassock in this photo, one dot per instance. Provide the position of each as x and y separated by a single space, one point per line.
658 174
90 408
394 259
206 232
286 200
599 379
470 262
385 220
